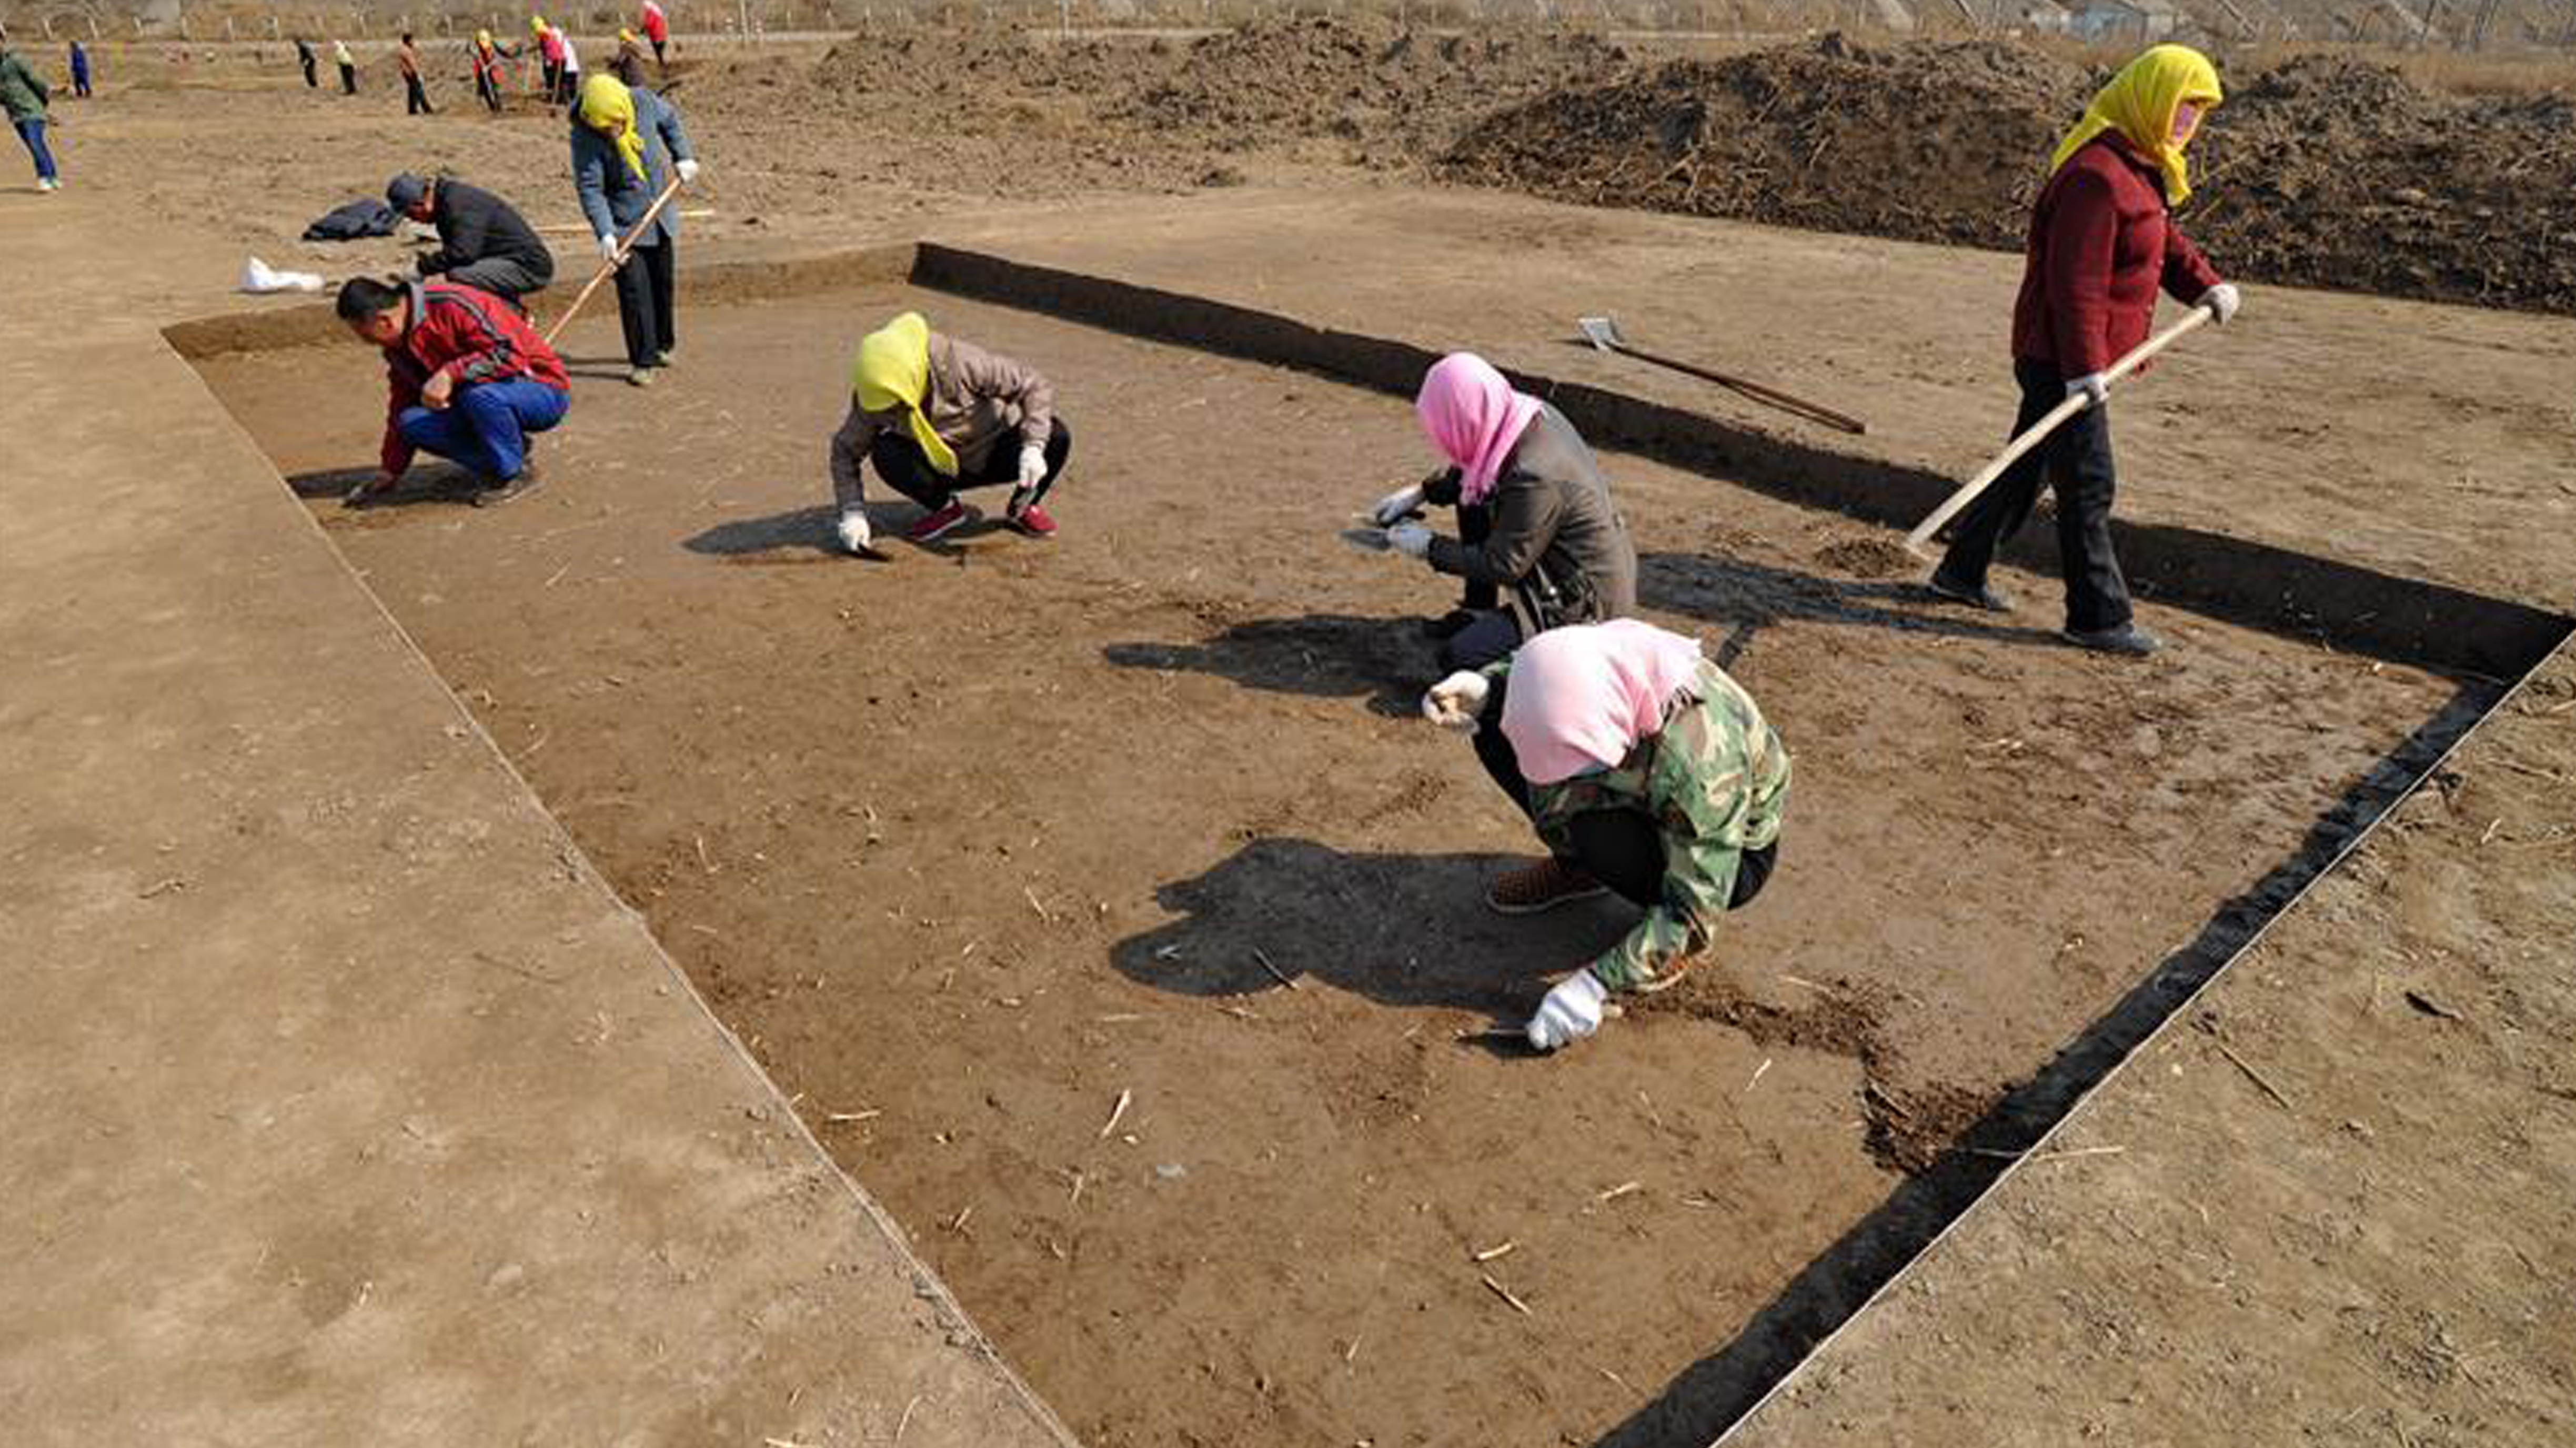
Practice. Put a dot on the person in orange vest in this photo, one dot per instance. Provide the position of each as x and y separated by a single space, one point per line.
487 70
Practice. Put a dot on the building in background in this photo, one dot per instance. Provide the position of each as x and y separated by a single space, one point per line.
2140 22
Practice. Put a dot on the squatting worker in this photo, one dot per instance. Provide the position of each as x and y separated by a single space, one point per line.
2101 244
933 415
468 378
1647 771
626 144
483 242
1538 532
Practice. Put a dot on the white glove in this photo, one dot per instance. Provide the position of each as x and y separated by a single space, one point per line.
1571 1012
1411 539
2093 385
688 172
608 248
854 530
1032 466
2222 301
1390 510
1456 701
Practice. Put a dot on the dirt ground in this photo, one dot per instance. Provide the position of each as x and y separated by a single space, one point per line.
986 839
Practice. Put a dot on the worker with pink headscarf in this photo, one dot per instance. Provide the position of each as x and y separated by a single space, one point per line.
1540 541
1648 771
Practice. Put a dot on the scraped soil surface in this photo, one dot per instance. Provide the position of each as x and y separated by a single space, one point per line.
1003 857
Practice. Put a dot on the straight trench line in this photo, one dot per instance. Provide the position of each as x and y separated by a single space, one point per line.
2181 1008
924 1281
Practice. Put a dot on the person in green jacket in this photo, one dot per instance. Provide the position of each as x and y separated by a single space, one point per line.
1647 771
24 96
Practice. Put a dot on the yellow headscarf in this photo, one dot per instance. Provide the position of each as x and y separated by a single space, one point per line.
628 36
537 24
608 107
2140 103
893 371
483 41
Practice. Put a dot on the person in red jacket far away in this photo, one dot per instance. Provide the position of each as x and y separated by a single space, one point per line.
2102 243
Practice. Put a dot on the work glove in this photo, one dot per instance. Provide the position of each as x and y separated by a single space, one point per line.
1032 466
2222 301
608 248
853 529
1396 506
688 172
1457 701
1571 1012
2093 385
1411 539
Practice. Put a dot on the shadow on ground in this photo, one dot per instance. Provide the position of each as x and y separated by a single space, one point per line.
1311 911
1748 597
1387 662
425 483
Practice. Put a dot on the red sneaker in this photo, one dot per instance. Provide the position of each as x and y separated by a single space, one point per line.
1034 521
940 524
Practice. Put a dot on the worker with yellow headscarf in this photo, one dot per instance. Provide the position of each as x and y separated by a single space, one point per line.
487 70
627 143
2102 243
935 415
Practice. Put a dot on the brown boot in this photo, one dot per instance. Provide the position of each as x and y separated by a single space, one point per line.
1543 886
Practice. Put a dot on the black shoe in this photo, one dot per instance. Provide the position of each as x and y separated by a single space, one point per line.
2127 638
1974 595
510 490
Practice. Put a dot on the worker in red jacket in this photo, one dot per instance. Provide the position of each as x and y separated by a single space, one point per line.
2101 245
469 380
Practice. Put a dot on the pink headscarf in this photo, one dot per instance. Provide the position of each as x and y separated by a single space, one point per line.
1582 696
1473 417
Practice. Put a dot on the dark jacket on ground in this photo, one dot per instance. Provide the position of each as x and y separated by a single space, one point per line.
614 197
475 225
1556 531
474 335
2100 244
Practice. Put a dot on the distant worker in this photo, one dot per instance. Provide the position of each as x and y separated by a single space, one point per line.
305 58
657 29
629 65
1648 772
2101 243
468 379
627 142
487 70
24 95
550 56
571 69
934 415
1540 543
80 71
348 64
483 242
415 96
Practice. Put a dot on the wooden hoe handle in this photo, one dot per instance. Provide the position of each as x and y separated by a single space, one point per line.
610 266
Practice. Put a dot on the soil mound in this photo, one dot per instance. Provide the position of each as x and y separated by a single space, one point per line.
2321 171
1398 94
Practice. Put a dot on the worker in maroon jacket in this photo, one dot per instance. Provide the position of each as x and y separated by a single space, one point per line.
2101 244
469 380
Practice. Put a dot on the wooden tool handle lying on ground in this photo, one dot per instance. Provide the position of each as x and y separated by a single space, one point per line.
1771 396
610 266
2032 436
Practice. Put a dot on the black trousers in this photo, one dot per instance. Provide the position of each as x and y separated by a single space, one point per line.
1621 848
658 57
644 302
899 460
415 99
489 89
311 82
348 80
2076 461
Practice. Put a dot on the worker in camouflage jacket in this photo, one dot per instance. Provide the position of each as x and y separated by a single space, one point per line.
1647 771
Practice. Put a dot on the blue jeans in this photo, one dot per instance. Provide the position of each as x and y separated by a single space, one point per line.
485 427
32 131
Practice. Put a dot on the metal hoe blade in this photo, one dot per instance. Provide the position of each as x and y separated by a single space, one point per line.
1602 332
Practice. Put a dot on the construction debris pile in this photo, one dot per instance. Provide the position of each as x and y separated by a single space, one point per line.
2318 172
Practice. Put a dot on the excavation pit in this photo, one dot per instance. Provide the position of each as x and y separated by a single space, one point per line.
990 853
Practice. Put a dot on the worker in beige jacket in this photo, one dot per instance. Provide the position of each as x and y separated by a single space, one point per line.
935 415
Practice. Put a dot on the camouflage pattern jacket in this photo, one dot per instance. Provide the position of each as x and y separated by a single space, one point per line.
1715 780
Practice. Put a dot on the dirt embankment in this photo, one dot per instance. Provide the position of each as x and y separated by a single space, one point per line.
2320 171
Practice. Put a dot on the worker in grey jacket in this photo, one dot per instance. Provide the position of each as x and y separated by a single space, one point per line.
1538 532
626 144
935 415
483 241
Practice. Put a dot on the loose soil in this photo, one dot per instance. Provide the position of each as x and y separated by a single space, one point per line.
990 852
